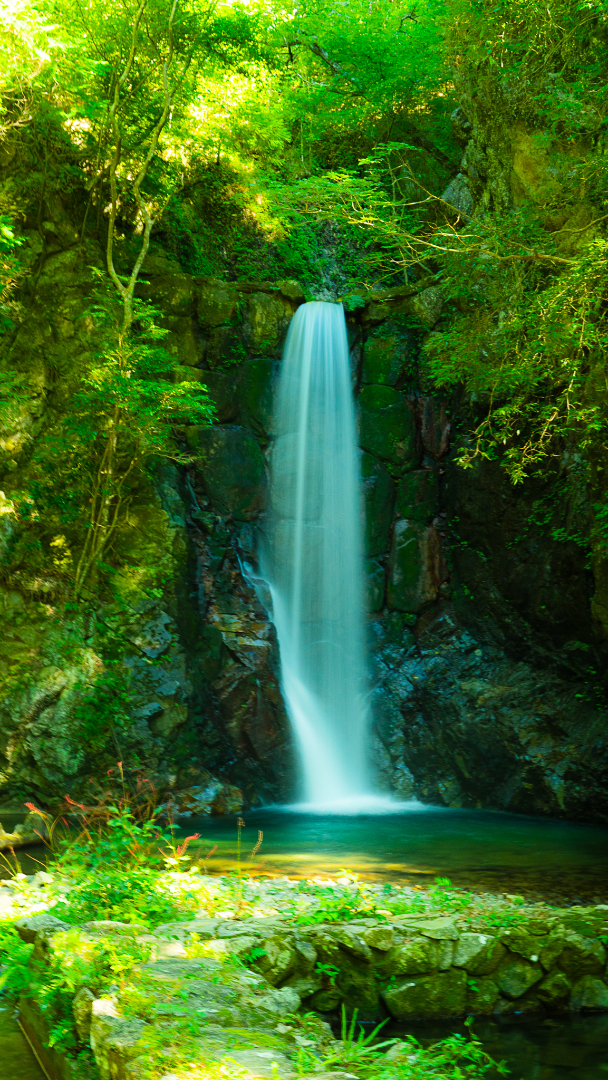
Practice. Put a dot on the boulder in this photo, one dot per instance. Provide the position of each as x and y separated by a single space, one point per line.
515 976
427 306
551 946
479 954
254 394
292 290
554 989
280 959
216 302
380 937
379 494
482 995
458 195
82 1007
232 469
418 496
183 342
358 986
268 318
518 941
443 994
350 940
280 1002
385 353
415 957
590 994
268 1064
581 956
29 928
387 428
221 386
112 1037
441 928
434 426
325 1000
445 949
375 578
416 567
172 292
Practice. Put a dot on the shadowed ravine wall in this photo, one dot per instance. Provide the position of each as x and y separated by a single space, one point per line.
479 646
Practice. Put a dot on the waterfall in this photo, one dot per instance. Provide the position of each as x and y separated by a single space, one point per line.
313 561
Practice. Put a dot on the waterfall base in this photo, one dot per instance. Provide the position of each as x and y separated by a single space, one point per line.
355 805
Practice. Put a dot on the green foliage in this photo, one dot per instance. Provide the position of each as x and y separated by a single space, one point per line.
115 853
84 472
337 903
454 1058
529 352
9 269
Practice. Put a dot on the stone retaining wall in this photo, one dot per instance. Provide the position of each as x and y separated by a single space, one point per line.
420 966
410 967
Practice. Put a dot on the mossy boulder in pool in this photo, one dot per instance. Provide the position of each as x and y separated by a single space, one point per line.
482 995
418 496
387 428
581 956
515 976
379 493
443 994
589 994
254 394
232 469
416 957
554 989
479 954
358 987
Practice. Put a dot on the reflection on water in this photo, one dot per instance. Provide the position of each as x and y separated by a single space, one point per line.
565 1048
16 1059
476 849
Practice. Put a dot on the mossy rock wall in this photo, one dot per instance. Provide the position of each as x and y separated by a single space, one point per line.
482 644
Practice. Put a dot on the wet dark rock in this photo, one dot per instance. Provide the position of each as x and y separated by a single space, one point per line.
418 496
487 637
254 394
388 355
387 428
379 493
232 469
375 578
221 387
416 567
477 728
439 995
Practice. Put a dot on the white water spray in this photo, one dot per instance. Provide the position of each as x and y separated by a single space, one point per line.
314 560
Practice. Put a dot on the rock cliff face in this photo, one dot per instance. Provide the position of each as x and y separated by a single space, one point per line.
482 641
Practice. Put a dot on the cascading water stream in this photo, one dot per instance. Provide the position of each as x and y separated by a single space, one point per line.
314 559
